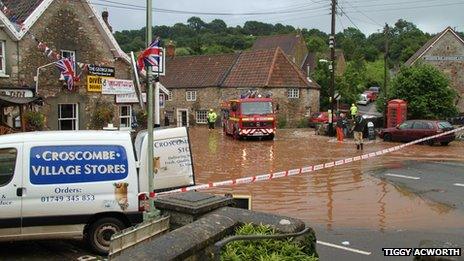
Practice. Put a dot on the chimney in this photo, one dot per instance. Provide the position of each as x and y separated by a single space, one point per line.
105 15
171 49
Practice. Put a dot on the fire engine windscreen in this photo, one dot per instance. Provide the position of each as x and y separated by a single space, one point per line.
253 108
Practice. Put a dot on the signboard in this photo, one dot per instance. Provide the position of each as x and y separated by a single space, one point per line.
444 58
94 83
172 158
130 98
77 163
17 93
116 86
101 70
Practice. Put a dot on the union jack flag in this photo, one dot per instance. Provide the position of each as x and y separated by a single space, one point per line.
66 68
150 56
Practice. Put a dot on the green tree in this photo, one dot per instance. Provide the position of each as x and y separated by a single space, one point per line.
426 90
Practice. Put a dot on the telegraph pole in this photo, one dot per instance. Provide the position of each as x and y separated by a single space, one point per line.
385 74
332 68
150 153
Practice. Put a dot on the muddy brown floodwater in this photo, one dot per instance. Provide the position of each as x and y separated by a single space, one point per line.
344 196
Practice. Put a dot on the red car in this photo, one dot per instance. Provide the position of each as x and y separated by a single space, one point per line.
372 96
418 129
320 118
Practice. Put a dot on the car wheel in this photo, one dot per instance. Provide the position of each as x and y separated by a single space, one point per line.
430 142
100 232
444 143
387 137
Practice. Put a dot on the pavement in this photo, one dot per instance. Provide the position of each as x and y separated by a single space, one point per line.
363 244
439 181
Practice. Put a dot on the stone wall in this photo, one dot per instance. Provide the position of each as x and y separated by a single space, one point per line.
67 25
292 110
449 46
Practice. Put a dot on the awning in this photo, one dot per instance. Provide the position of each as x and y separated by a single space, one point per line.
12 101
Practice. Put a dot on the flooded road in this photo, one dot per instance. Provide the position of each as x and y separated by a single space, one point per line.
344 196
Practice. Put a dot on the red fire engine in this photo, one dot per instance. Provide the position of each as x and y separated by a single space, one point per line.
251 116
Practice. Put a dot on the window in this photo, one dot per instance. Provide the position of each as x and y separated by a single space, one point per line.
406 125
70 55
2 58
125 116
191 95
293 93
170 115
201 116
169 96
7 165
162 100
68 117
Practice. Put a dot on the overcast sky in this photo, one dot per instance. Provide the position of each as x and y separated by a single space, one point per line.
368 15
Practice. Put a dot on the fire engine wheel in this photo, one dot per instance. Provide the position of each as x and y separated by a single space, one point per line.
236 135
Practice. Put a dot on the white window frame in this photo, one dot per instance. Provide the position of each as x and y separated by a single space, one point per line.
293 93
75 114
73 55
200 118
3 67
169 96
125 116
191 95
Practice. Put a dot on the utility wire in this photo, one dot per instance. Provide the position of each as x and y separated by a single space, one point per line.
364 14
343 12
163 10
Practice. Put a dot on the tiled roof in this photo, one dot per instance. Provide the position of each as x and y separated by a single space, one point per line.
197 71
266 68
429 44
286 42
250 69
17 11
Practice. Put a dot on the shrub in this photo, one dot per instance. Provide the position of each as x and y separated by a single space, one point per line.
142 119
281 122
102 115
268 249
303 123
35 121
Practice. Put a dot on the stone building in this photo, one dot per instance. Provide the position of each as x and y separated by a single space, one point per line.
72 29
445 51
199 83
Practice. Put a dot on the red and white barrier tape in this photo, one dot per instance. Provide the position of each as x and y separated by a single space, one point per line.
293 172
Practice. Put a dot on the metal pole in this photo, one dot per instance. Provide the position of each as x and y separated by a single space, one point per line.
153 213
332 68
385 75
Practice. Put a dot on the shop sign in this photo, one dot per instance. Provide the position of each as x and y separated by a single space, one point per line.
101 70
17 93
94 83
116 86
130 98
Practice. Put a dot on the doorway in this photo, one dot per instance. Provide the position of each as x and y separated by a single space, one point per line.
182 118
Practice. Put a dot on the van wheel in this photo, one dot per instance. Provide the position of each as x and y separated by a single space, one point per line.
100 232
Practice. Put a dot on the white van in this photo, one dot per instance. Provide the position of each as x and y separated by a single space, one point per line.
363 99
79 183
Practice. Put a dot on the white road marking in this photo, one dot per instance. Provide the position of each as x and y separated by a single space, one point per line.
401 176
344 248
459 184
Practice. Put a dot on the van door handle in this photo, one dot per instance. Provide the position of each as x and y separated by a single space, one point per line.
19 192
